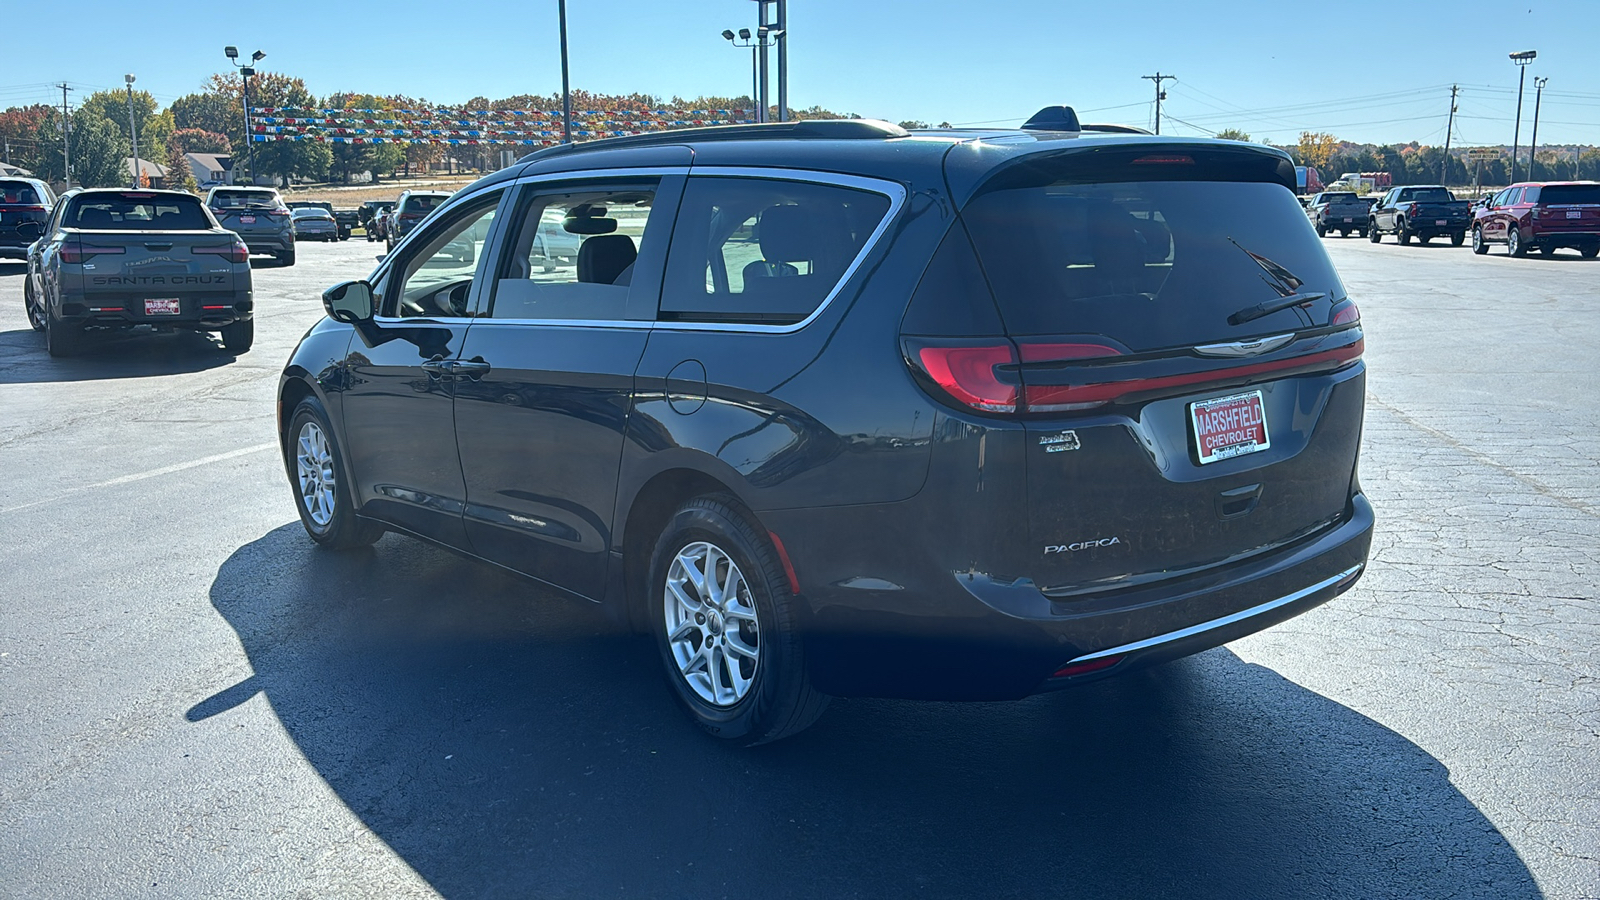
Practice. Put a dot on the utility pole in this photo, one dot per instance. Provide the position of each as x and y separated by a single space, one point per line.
1444 166
66 128
133 129
566 90
1160 94
1533 143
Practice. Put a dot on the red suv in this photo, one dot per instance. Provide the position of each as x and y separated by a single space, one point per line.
1541 217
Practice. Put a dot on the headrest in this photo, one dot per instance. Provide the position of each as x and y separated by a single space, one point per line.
95 217
602 258
588 219
789 234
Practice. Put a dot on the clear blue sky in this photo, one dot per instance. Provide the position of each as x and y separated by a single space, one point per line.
1380 74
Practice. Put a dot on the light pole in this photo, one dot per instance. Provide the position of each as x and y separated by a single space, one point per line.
765 37
566 90
133 129
1533 142
245 71
1521 58
755 79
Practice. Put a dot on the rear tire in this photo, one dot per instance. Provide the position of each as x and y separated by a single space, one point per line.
734 658
1321 232
316 475
61 339
1458 238
1373 234
1479 245
1424 239
238 336
1400 232
1589 252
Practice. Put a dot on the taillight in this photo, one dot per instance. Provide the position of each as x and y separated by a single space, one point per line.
411 216
237 252
33 209
1345 313
77 253
970 373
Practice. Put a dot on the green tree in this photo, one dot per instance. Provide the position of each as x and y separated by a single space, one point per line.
914 124
218 112
1233 134
99 151
285 159
178 175
154 127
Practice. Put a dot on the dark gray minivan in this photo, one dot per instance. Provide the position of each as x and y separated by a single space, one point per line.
832 408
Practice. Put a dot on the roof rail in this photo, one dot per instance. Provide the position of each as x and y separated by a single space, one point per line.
1053 118
823 129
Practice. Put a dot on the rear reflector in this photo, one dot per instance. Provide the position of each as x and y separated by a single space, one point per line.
1087 666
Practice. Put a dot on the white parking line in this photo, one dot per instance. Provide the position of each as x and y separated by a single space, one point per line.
152 473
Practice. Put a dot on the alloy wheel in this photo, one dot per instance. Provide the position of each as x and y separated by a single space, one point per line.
711 622
314 473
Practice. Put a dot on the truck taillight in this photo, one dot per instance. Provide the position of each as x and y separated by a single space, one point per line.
236 252
78 252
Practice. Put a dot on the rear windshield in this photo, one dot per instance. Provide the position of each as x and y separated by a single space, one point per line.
1430 195
18 192
244 200
1570 193
423 203
1150 264
311 212
1341 198
136 212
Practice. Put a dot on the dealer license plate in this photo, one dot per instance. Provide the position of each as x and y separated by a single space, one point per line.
246 220
1441 221
1574 213
1348 219
166 306
1229 426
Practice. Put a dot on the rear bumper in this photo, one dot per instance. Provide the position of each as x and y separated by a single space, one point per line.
268 243
972 636
1542 238
198 314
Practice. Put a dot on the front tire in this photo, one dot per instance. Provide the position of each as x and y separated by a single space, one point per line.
725 623
1589 251
316 474
238 336
1322 232
1479 245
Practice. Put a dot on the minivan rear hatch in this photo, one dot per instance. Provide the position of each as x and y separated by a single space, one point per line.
1179 349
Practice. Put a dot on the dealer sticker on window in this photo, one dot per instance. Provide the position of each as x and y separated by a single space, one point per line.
1229 426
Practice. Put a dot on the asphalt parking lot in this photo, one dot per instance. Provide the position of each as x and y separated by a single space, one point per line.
195 702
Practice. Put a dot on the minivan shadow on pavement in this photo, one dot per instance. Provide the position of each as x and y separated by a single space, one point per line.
508 743
23 359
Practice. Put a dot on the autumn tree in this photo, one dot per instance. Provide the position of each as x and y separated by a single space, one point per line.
1316 148
286 159
99 151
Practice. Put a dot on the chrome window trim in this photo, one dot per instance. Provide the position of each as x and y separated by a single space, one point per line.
894 191
1224 621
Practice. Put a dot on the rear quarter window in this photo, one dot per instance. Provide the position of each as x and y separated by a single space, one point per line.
763 251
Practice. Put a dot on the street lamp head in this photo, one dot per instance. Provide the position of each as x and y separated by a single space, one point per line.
128 78
257 56
773 33
246 71
1523 57
727 35
744 34
233 52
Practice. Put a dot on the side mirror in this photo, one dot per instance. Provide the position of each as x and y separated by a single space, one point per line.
30 230
349 302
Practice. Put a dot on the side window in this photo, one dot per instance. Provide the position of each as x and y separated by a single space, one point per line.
435 279
1530 195
1513 196
573 253
760 251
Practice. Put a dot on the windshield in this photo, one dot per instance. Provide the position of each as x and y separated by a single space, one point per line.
1150 264
19 192
1570 193
423 203
1341 198
245 200
136 212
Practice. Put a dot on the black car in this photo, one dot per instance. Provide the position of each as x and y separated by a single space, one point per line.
370 216
25 205
829 408
410 208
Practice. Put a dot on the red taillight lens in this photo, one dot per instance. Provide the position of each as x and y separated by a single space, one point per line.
77 253
236 252
411 216
13 208
969 374
1087 666
1345 313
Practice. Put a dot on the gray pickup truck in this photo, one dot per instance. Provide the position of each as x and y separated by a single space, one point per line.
1341 211
119 260
1420 211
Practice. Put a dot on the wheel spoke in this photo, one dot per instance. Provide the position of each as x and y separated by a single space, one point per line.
711 625
686 629
687 605
737 647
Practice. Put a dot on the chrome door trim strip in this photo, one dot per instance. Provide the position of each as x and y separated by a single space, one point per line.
1224 621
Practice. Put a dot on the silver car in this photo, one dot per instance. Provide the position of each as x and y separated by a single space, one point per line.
311 223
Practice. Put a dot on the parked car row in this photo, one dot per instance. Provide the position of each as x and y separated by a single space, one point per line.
1528 217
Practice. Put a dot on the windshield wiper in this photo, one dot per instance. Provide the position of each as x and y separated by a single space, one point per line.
1272 306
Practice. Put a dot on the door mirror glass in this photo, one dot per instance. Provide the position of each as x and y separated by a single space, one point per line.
29 230
349 302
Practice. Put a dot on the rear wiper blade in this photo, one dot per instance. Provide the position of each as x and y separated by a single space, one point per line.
1272 306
